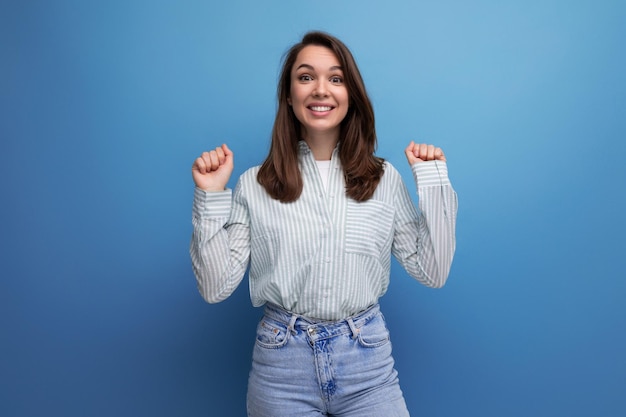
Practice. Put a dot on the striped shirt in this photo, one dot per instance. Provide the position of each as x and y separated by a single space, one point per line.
324 256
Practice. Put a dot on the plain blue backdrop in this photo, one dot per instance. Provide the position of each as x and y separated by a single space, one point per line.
105 105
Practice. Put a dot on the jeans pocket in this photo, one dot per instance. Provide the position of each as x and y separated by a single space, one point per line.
374 333
271 334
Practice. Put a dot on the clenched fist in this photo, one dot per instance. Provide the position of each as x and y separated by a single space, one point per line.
212 170
422 152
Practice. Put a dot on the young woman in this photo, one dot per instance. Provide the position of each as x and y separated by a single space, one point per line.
317 223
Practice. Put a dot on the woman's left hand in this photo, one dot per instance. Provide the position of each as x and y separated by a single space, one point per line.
420 152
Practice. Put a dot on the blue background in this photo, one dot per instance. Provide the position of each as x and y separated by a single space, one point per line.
104 106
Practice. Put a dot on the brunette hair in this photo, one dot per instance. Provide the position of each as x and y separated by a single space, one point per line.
362 170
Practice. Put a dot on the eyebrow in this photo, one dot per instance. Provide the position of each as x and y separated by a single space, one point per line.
310 67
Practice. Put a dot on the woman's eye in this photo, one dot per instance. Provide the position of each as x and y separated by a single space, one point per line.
336 80
305 77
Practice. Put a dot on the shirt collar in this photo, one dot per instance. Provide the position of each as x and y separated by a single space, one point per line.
303 148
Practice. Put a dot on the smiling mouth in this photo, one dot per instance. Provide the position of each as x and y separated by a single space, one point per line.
320 108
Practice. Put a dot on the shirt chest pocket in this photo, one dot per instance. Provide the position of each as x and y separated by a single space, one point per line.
369 227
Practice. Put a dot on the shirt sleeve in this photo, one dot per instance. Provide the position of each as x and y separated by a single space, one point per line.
424 239
220 242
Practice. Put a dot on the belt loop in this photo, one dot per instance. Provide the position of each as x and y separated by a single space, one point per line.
353 328
292 323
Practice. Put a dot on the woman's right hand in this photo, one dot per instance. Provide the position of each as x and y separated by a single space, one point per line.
212 170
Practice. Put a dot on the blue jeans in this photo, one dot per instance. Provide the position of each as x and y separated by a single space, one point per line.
303 367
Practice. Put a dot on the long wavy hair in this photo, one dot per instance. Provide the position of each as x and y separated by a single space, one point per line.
362 170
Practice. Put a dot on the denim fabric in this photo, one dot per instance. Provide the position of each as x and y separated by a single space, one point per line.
304 367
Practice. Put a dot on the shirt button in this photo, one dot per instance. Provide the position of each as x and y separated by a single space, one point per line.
312 331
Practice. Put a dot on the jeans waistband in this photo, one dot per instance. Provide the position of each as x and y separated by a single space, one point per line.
295 321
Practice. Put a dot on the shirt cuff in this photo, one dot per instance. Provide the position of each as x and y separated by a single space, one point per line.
430 173
207 204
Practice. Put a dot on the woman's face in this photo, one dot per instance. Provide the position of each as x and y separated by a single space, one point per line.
318 95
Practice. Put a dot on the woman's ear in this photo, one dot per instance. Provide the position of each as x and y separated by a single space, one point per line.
289 100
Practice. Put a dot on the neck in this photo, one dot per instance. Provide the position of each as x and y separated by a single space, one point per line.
322 145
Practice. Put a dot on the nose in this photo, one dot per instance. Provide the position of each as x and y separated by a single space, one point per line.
320 88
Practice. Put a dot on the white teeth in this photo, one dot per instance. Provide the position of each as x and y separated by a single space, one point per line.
321 108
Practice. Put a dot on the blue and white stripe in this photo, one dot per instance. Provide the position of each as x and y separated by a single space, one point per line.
323 256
